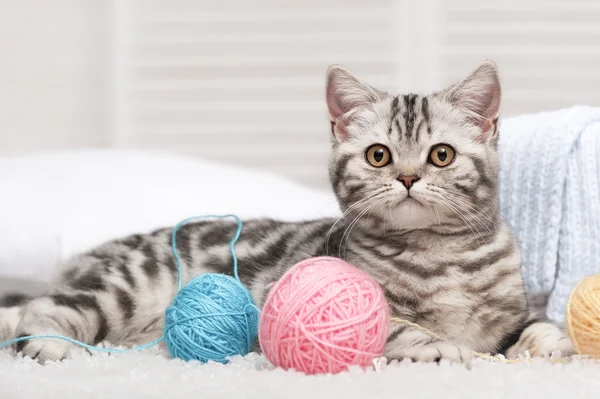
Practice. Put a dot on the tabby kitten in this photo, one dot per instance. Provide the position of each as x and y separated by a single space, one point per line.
416 178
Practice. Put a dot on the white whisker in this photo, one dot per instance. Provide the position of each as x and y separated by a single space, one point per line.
462 216
351 226
347 211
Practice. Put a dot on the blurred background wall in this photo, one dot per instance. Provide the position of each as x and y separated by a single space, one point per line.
242 81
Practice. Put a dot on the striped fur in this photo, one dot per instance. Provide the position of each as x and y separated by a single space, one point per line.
440 250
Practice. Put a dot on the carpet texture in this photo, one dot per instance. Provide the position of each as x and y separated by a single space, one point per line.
150 374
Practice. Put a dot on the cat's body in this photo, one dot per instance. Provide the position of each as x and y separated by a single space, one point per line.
416 177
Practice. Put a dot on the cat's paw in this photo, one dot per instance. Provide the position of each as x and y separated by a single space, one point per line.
44 350
435 351
541 340
41 349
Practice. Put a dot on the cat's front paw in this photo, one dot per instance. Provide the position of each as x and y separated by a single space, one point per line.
435 351
541 340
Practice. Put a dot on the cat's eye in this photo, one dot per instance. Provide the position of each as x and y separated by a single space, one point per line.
378 155
441 155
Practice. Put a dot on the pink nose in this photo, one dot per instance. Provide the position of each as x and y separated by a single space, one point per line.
408 181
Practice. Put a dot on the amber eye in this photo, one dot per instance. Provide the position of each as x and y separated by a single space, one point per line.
378 155
441 155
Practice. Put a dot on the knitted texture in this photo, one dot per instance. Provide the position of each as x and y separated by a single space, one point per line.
324 316
212 318
550 196
583 316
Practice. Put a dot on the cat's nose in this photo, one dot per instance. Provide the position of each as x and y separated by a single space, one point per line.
408 181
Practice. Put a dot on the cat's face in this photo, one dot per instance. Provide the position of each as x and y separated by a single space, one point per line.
412 161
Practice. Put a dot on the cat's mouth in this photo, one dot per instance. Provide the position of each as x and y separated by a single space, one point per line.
413 200
410 200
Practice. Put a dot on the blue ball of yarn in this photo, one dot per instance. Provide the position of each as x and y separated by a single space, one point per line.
213 317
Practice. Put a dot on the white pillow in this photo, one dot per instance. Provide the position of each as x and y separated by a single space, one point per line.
58 204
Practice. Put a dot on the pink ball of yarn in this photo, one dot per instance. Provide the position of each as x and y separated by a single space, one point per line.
322 316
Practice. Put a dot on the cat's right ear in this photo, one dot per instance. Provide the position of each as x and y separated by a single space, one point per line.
346 96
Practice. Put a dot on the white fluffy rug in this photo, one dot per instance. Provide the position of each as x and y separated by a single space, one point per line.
150 374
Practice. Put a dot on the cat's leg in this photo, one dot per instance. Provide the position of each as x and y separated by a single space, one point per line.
112 294
406 342
541 339
114 314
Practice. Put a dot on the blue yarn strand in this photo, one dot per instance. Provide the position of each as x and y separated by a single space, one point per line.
83 344
231 243
179 279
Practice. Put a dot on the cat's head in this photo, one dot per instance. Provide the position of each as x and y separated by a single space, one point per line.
415 161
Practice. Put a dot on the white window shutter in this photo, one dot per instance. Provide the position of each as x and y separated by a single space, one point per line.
548 51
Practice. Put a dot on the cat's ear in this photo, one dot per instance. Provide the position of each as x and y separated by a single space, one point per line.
478 96
346 96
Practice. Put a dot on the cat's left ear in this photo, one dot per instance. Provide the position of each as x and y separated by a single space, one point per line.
478 96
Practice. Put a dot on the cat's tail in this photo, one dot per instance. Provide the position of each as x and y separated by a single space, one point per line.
11 312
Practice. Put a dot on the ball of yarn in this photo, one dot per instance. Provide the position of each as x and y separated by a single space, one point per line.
583 316
322 316
212 318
